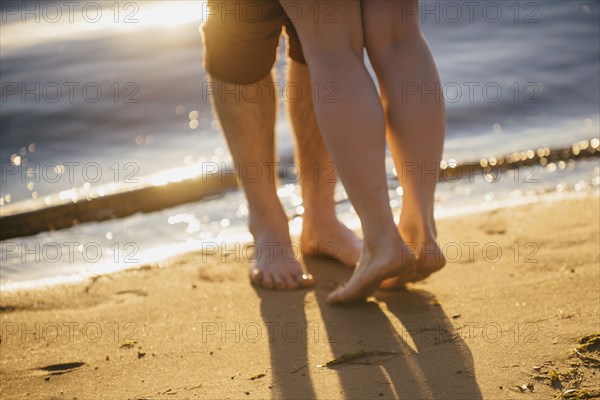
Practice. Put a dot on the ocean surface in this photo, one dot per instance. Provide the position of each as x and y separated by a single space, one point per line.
98 99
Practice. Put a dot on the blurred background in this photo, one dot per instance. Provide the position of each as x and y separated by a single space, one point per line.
104 97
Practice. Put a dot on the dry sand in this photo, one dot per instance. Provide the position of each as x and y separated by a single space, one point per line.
480 328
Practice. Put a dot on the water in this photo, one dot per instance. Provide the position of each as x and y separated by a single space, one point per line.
138 107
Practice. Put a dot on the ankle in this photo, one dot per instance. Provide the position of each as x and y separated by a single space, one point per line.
275 226
377 237
419 232
313 222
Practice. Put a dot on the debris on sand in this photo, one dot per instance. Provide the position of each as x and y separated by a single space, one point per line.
526 387
299 369
578 394
556 379
61 368
495 231
137 292
360 357
589 350
128 344
551 377
530 387
257 376
573 383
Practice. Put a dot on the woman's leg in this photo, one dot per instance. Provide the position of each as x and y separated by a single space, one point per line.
415 114
322 233
353 127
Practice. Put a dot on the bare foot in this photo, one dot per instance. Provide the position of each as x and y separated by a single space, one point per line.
389 257
276 265
332 240
430 259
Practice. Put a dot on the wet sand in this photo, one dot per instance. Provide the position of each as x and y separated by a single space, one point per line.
502 320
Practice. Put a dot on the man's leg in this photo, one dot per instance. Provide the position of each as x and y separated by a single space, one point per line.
249 128
415 114
322 233
353 128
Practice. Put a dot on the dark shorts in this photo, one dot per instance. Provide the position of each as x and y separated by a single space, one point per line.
241 39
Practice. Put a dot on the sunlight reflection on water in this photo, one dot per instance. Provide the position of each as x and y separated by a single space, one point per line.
61 20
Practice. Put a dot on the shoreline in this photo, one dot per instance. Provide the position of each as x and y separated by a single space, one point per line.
45 283
483 327
148 197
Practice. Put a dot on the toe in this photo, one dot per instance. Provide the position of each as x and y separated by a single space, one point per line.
256 276
267 281
279 282
305 280
290 282
337 296
393 284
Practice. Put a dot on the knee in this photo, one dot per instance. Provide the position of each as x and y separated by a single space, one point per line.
384 45
338 62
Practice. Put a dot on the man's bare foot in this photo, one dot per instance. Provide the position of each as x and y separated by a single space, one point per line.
276 265
430 259
331 239
387 258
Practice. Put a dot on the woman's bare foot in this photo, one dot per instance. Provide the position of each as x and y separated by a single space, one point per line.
388 258
276 265
430 259
331 239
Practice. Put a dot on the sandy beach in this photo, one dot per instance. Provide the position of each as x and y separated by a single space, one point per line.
505 319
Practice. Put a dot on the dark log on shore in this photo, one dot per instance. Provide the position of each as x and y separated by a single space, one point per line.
154 198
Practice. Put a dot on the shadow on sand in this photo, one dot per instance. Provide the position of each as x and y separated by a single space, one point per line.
401 346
